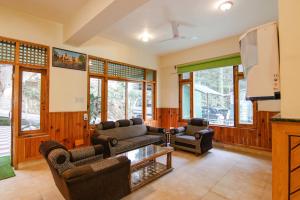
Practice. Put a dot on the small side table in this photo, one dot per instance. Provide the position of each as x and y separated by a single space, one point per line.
168 138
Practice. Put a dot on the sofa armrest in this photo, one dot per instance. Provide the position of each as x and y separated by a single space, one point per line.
180 130
98 168
86 152
109 178
104 140
204 133
155 131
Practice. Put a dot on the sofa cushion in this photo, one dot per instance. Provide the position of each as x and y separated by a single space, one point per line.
188 139
191 130
144 140
137 121
122 146
123 123
106 125
122 133
135 142
198 122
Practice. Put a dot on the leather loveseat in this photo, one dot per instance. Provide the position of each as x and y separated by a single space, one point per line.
125 135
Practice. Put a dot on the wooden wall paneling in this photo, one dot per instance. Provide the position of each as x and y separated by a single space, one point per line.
29 147
68 127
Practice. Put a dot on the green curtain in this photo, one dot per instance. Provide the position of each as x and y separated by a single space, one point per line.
223 61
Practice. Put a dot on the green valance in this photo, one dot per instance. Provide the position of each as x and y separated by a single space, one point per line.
223 61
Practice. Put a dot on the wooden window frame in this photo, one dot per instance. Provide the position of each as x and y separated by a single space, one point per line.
236 77
18 68
106 77
43 101
182 82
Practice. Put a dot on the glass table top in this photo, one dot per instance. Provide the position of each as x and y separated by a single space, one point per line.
146 153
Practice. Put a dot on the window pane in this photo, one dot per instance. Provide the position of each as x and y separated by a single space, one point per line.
116 100
95 100
241 68
31 101
149 101
186 101
186 76
149 75
135 100
245 107
214 95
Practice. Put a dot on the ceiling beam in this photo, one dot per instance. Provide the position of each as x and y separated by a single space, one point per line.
95 16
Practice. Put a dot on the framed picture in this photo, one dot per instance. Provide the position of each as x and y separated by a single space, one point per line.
68 59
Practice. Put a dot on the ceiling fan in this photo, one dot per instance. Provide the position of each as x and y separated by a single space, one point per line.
176 35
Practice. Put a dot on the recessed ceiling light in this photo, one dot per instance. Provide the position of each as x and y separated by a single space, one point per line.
145 36
225 6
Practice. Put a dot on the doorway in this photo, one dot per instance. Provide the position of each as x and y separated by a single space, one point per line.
6 91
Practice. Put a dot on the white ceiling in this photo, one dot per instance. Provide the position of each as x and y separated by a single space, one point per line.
204 19
55 10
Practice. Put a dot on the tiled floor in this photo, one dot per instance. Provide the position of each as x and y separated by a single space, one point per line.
218 175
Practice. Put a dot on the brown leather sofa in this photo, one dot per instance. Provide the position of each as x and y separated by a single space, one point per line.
82 174
125 135
195 137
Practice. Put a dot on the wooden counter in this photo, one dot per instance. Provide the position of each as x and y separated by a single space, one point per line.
286 159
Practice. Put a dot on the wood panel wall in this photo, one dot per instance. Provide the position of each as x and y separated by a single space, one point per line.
64 127
259 137
68 127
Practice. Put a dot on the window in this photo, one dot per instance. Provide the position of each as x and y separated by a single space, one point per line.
135 100
218 95
245 107
214 95
31 101
149 101
120 91
186 101
116 104
95 100
186 76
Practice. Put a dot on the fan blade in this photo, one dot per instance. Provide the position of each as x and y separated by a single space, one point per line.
165 40
175 30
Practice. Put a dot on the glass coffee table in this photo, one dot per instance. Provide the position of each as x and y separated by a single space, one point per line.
144 166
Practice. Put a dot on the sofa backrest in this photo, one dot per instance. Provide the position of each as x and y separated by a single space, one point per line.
195 125
122 133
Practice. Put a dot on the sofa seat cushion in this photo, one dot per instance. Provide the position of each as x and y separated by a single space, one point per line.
191 129
186 139
134 143
144 140
122 146
122 133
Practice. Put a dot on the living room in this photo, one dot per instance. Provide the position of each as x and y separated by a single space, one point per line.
149 99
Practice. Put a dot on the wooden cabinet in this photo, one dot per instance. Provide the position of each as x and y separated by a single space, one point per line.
286 160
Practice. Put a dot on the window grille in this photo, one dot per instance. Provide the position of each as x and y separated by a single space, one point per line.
33 55
96 66
7 51
124 71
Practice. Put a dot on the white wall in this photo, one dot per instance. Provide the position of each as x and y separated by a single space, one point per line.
289 34
68 88
168 78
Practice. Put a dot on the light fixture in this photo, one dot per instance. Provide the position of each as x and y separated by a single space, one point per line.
145 36
225 6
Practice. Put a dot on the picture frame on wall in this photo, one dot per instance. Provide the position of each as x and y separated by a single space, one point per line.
68 59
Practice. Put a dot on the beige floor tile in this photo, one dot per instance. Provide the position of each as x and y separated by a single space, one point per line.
217 175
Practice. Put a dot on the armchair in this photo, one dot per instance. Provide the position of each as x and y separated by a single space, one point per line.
195 137
82 174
